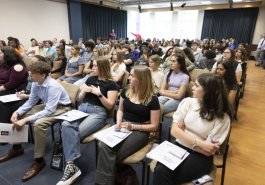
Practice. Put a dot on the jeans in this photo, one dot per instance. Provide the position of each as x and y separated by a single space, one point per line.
169 105
73 132
41 125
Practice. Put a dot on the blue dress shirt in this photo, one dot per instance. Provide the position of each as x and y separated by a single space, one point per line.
51 93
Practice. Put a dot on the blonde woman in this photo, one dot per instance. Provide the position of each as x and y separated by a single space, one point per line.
96 53
157 76
118 68
106 50
139 112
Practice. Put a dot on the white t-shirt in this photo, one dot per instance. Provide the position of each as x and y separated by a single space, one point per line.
189 111
158 77
121 69
35 48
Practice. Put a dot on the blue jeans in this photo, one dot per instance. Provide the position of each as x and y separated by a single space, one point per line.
73 132
169 105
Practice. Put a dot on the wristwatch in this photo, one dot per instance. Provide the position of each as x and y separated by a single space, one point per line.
100 95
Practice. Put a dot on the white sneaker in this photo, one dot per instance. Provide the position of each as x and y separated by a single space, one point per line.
71 172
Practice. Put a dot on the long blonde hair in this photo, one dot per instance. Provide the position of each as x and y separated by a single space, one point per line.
104 67
145 89
119 59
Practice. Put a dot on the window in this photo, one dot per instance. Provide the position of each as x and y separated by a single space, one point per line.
167 25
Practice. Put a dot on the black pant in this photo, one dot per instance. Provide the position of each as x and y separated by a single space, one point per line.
7 110
109 158
193 167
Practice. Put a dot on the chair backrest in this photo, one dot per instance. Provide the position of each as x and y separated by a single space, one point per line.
236 103
196 72
189 89
124 79
72 91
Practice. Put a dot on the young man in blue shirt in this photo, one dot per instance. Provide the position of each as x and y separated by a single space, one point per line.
55 101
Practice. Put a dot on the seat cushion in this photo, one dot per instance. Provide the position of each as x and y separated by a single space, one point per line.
140 154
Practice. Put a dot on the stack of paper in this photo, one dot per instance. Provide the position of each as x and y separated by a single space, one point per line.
9 98
72 115
111 137
168 154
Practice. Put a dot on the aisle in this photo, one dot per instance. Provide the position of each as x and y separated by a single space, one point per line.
246 158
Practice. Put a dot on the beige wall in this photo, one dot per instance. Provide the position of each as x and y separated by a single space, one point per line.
44 19
40 19
260 26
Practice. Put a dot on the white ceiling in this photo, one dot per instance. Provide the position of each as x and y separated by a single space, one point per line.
150 4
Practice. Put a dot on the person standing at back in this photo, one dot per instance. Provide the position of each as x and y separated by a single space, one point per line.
260 50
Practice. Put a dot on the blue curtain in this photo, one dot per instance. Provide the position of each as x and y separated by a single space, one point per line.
235 23
98 21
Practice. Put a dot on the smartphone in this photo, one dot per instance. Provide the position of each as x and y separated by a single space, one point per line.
204 179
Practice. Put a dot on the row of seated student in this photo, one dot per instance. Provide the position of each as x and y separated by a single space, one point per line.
176 66
193 49
100 92
78 68
194 52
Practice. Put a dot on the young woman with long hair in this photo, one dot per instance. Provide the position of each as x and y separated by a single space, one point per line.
200 125
226 70
157 76
118 68
97 96
174 85
59 63
139 112
13 78
230 55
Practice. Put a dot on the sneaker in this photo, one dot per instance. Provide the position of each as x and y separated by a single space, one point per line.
71 172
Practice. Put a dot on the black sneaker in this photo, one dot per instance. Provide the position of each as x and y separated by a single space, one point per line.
71 172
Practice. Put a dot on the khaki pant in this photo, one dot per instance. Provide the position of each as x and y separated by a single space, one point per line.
41 125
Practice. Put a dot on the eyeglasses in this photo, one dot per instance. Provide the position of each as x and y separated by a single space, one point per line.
226 52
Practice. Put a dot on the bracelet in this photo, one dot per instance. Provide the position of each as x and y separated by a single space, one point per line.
141 127
194 145
132 126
